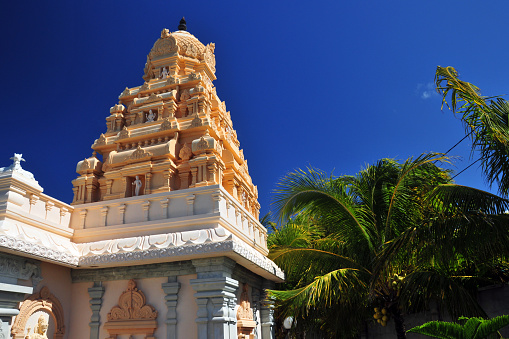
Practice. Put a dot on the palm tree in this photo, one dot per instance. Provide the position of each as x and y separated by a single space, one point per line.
393 237
473 328
485 120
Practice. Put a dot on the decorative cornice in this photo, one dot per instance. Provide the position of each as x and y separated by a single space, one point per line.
37 250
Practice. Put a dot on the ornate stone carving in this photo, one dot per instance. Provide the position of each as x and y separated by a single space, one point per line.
149 72
202 144
124 133
209 57
153 98
101 141
165 33
42 301
193 76
145 87
125 92
140 153
132 305
132 315
166 125
244 311
171 81
185 152
166 45
20 268
184 95
196 122
85 165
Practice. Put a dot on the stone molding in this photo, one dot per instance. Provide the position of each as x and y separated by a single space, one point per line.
43 300
231 244
133 272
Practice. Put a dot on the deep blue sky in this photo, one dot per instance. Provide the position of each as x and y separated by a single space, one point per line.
331 84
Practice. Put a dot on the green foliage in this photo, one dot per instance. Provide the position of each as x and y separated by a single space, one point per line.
485 120
344 239
473 328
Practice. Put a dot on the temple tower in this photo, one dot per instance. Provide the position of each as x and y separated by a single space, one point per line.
170 133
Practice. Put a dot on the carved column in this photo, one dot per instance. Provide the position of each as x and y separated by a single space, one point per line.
146 207
104 215
171 289
255 294
216 297
121 211
216 197
83 217
148 178
190 204
194 171
125 193
164 207
184 179
109 184
267 314
96 293
49 206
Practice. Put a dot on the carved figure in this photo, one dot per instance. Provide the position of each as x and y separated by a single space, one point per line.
40 330
137 186
164 73
150 116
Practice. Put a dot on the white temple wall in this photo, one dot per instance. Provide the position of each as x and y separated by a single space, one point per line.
58 280
80 310
187 308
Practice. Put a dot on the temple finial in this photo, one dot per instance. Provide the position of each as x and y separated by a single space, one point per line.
182 25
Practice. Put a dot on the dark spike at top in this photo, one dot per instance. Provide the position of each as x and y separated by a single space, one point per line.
182 25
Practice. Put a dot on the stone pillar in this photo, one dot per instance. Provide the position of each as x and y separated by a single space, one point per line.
216 298
171 289
267 314
16 276
255 295
96 293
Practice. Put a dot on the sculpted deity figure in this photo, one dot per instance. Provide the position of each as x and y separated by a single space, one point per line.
137 186
164 73
150 116
40 330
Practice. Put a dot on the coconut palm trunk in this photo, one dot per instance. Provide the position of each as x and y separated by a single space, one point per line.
399 322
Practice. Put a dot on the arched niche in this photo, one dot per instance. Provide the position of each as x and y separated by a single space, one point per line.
43 301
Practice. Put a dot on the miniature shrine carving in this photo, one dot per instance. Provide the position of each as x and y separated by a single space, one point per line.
245 322
44 303
132 315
